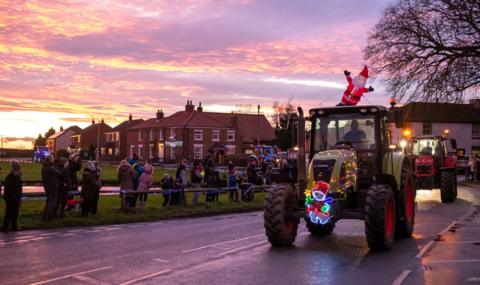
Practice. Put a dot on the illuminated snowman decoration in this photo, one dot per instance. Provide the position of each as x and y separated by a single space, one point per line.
318 203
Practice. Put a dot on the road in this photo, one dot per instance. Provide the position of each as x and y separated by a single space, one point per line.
232 249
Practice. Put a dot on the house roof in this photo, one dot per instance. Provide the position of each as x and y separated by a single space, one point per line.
250 127
104 127
72 130
127 124
440 112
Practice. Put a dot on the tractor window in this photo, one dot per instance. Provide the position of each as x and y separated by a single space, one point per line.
357 130
427 147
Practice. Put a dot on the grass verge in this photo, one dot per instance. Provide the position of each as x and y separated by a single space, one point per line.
109 211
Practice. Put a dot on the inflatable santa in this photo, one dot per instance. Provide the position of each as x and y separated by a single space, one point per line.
355 88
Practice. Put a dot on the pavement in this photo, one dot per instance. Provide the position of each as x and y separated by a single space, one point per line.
232 249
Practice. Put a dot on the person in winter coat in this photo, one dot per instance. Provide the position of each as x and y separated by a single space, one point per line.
61 166
252 173
13 197
51 184
90 186
196 180
182 175
166 184
74 166
126 176
145 181
98 172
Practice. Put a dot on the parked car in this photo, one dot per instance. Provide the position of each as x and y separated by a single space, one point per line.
462 163
40 153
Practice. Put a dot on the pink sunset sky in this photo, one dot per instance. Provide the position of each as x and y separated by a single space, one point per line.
64 62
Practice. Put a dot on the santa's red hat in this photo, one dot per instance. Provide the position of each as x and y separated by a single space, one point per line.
364 72
322 186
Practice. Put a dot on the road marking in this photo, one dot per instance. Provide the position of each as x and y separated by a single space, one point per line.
462 241
93 231
447 228
71 275
454 261
399 280
220 243
68 235
161 260
112 229
166 271
50 234
424 249
86 279
75 231
473 279
240 249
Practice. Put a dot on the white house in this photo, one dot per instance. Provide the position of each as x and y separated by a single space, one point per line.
461 120
62 140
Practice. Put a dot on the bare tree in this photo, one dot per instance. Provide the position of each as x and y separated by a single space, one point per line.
428 50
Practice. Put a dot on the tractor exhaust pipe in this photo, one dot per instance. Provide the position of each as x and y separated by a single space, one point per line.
301 157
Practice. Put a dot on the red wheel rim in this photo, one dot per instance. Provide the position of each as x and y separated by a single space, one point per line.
409 201
389 218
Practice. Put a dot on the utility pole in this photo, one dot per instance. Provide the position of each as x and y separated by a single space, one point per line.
97 151
258 122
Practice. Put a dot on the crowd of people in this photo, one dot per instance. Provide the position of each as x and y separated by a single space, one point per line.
60 180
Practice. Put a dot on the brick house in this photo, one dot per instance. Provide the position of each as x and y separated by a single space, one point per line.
116 141
92 135
462 121
61 140
193 133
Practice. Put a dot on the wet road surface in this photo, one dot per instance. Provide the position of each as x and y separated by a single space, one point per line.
232 249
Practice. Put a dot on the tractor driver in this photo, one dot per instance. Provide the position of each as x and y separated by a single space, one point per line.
355 134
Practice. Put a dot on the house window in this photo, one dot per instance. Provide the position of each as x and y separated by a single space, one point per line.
117 150
476 131
427 128
215 135
160 134
229 149
151 151
198 135
140 148
172 133
231 135
151 134
140 135
102 151
197 151
110 151
131 150
116 136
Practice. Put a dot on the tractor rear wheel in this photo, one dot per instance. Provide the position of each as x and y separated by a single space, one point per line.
380 217
279 222
448 186
320 230
406 203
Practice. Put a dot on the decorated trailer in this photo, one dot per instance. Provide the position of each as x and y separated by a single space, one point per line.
353 174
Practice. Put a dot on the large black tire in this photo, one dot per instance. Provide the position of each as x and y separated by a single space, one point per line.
280 224
448 186
406 203
380 217
319 230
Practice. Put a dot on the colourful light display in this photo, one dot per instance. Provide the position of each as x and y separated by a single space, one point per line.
318 203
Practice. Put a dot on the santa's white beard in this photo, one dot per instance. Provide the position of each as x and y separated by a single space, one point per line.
359 81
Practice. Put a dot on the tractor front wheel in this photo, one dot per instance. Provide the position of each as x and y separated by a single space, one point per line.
380 217
320 230
448 187
280 224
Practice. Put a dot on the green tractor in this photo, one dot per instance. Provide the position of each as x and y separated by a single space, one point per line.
353 173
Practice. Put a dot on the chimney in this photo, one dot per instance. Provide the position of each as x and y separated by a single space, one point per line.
258 109
102 122
93 121
199 108
130 117
475 102
61 128
189 107
159 114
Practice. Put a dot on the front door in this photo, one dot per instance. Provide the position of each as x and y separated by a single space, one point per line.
161 151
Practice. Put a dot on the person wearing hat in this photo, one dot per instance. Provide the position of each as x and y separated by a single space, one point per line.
356 88
12 196
74 166
90 186
252 174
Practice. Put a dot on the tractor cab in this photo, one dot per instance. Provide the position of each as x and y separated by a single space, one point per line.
358 131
